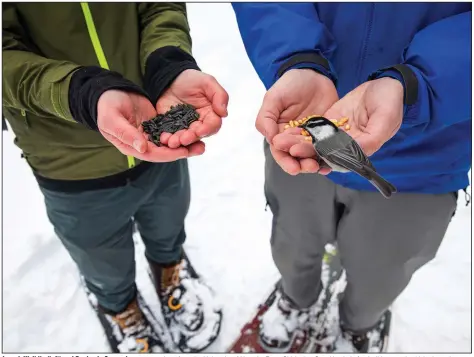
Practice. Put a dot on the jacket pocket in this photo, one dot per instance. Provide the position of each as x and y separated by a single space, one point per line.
18 119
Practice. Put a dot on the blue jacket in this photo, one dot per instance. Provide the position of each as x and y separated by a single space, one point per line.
431 153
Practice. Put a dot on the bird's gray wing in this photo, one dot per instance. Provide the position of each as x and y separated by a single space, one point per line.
351 157
348 155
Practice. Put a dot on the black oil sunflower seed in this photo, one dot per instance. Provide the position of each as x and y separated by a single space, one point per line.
177 118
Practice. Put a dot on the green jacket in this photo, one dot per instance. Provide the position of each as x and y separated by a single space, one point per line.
44 43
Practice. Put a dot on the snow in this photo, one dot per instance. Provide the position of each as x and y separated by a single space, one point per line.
281 326
45 310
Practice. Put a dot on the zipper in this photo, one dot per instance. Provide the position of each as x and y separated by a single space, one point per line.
23 114
99 52
366 42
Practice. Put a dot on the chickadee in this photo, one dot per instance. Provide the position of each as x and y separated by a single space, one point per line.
342 153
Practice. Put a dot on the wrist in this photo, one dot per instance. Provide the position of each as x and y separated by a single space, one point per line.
313 61
87 86
162 67
405 76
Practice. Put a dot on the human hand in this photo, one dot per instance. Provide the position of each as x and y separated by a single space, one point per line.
298 93
203 92
375 112
119 118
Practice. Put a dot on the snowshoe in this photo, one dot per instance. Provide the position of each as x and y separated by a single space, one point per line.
315 335
250 340
189 307
281 325
373 341
133 330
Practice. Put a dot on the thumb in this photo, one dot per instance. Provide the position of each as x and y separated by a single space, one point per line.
375 134
368 143
217 95
121 129
267 118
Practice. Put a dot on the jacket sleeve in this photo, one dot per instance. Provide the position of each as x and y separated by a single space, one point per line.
282 36
30 81
163 24
165 48
439 62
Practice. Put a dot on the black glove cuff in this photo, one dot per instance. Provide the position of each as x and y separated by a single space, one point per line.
87 85
410 82
162 67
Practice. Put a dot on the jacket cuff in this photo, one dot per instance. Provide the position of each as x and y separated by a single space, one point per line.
309 60
406 76
162 67
87 85
409 79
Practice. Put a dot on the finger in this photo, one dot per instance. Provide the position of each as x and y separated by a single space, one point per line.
324 170
175 139
196 149
163 154
164 138
188 137
379 129
309 166
267 117
285 141
217 95
119 127
292 131
123 148
289 164
210 125
153 153
302 150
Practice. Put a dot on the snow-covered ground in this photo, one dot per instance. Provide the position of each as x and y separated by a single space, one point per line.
45 310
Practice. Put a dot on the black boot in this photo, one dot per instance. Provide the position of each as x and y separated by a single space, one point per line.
360 341
372 340
187 304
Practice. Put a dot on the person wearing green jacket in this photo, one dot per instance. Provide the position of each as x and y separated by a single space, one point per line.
78 81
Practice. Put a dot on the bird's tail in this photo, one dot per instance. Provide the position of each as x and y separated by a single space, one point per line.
385 187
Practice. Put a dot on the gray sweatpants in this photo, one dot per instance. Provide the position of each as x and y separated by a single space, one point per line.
96 227
381 242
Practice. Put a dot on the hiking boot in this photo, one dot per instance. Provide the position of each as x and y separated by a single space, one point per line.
281 324
372 340
188 305
134 332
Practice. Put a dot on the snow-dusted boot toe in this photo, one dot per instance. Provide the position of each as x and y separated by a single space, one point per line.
281 324
189 306
373 341
133 331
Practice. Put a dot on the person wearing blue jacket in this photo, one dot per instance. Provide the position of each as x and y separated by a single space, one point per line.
401 73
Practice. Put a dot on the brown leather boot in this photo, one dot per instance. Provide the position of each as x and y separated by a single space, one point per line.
187 305
135 332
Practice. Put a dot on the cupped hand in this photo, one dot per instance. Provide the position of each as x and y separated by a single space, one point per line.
203 92
375 112
119 118
297 94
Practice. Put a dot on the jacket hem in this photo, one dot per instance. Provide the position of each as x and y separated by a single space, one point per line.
101 183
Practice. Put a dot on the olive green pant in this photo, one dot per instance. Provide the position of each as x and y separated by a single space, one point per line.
96 227
381 242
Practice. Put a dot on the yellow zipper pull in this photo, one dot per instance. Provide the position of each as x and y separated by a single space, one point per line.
23 114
